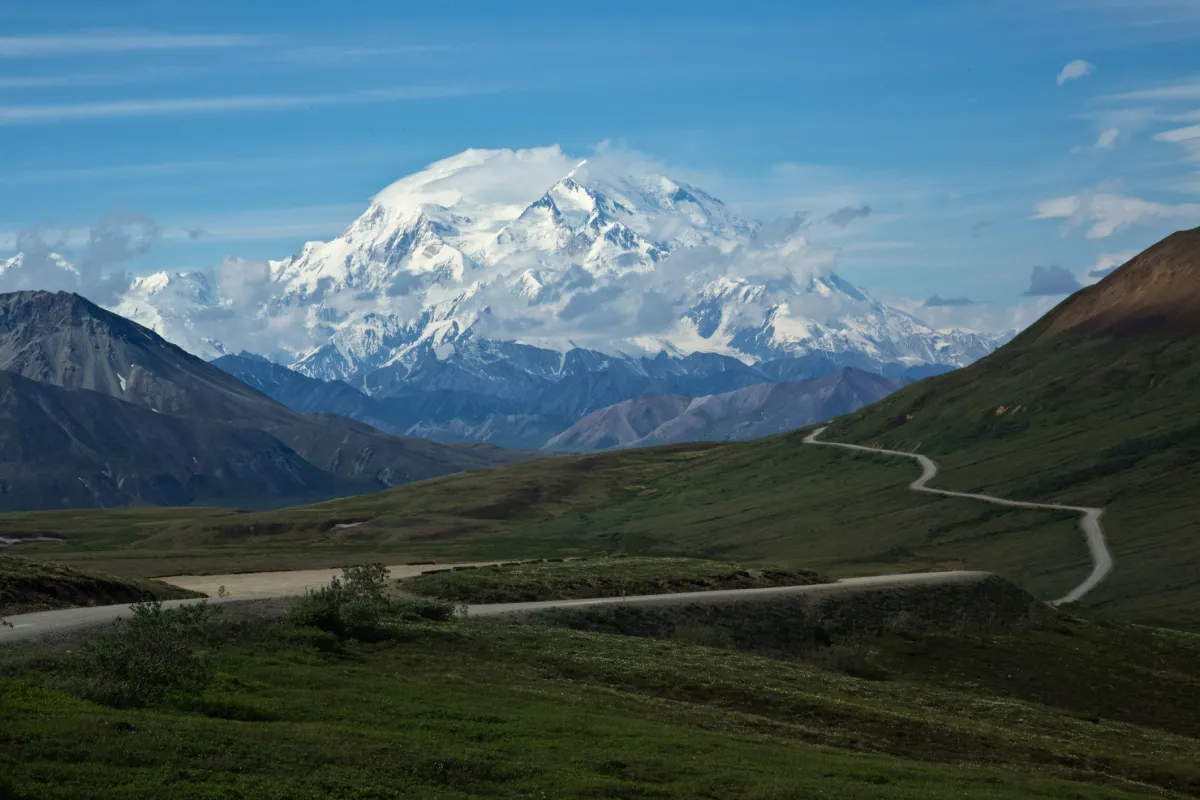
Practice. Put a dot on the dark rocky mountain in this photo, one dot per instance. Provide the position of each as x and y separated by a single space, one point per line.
64 448
750 413
71 352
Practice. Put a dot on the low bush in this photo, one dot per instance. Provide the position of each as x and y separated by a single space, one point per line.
143 659
424 609
356 605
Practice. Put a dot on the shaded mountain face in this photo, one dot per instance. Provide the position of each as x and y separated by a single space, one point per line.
1158 291
69 350
522 411
497 273
64 340
622 425
1094 405
78 449
750 413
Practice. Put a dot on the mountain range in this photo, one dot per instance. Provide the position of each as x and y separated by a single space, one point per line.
96 410
528 288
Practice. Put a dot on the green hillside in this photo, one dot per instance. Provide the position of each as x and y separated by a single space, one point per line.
27 586
1094 405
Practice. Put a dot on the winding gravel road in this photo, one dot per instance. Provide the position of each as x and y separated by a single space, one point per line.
1089 522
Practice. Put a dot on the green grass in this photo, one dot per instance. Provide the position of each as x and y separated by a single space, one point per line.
841 624
601 577
27 585
773 501
478 709
1108 422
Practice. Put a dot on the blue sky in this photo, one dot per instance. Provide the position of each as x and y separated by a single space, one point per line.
247 128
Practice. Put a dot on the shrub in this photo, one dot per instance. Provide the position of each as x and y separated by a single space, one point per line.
424 609
352 606
142 659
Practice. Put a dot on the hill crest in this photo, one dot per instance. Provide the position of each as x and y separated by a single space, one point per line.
1156 291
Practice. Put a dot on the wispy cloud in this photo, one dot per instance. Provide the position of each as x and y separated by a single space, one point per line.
250 225
1107 212
1074 71
77 79
1107 140
305 222
1188 138
44 114
116 42
338 54
1188 90
166 169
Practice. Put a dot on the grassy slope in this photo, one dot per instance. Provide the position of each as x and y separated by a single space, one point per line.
771 501
1101 422
34 586
614 577
472 709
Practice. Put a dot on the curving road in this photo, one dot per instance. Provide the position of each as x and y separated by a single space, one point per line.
844 586
1089 522
43 623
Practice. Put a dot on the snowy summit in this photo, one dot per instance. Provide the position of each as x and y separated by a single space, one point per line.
534 247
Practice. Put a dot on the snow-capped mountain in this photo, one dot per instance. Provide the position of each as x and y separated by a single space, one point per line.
500 273
476 247
176 306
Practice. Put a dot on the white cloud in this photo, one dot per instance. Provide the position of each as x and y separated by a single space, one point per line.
77 43
1179 91
36 114
153 74
1105 264
1188 138
1107 212
1108 139
1180 134
986 317
1057 207
1074 71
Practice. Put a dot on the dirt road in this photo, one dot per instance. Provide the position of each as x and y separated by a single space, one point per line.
1089 522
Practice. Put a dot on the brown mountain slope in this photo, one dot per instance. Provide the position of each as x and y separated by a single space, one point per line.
1158 290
